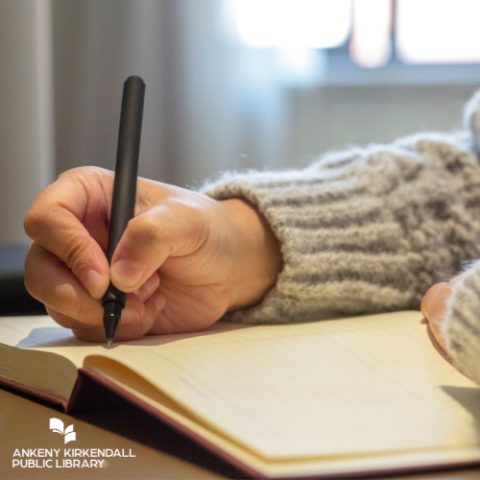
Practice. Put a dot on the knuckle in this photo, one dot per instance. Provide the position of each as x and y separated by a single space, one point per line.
75 255
34 220
191 211
193 214
95 172
145 229
68 173
82 171
186 205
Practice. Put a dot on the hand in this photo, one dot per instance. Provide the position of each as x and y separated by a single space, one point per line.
184 260
434 308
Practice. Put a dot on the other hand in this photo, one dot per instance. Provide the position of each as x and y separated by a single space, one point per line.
434 308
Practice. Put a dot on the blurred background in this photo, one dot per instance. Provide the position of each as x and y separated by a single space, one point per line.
231 84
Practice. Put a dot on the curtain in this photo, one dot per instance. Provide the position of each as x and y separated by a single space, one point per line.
204 112
26 112
211 103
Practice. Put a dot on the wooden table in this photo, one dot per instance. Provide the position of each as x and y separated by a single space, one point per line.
159 454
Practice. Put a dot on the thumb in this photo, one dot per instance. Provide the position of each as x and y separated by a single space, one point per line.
172 228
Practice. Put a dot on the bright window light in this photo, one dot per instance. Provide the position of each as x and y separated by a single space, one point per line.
438 31
370 43
293 23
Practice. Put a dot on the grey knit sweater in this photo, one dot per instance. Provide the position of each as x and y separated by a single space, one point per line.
371 229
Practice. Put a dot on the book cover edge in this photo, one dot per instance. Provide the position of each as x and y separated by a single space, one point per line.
36 394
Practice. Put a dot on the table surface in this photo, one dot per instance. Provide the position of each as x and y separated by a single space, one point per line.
163 454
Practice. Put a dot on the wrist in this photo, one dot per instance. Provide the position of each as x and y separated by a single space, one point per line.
258 259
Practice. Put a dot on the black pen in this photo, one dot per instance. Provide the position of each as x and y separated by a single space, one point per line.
124 191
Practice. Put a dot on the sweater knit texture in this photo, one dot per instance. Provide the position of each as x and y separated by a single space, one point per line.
371 229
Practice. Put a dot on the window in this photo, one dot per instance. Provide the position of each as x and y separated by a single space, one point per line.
293 24
438 31
370 39
414 32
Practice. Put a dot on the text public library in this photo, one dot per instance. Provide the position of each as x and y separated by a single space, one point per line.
43 457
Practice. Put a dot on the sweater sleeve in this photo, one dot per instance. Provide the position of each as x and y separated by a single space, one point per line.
462 325
366 230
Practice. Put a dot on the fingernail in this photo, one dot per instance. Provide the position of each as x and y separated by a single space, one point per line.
126 273
93 283
130 315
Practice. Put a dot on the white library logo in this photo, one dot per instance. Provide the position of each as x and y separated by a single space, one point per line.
68 457
59 427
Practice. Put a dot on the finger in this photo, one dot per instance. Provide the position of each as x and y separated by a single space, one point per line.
67 322
55 221
125 332
50 281
434 308
148 288
129 316
174 227
433 302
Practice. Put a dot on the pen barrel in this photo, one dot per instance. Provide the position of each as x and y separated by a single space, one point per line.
111 318
126 167
114 295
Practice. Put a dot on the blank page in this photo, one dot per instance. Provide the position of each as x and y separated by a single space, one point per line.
355 386
41 333
323 389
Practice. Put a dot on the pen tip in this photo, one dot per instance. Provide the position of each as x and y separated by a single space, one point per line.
109 343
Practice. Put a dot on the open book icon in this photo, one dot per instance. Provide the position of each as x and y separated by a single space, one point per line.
58 426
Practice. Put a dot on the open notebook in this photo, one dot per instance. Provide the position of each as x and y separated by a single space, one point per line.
365 394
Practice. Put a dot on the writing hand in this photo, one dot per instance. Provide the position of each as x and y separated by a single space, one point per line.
184 260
